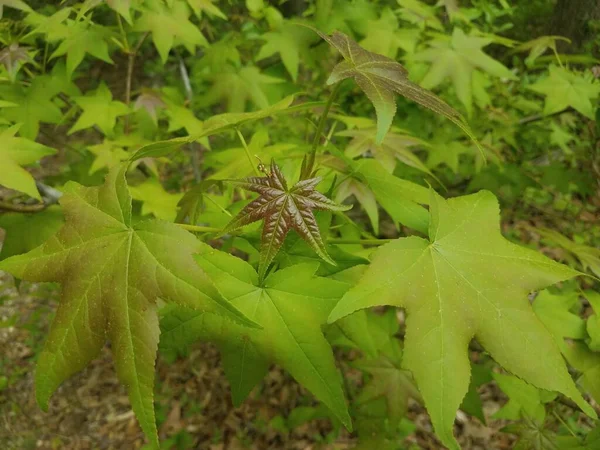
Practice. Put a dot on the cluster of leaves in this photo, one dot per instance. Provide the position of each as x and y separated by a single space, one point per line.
170 229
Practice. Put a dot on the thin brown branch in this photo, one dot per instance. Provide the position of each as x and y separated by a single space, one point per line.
536 117
15 207
130 65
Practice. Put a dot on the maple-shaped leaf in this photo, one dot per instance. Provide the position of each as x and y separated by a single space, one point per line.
537 47
466 281
524 400
386 37
283 208
16 4
32 104
99 109
396 146
588 256
291 305
446 152
107 155
419 13
112 272
381 78
533 435
79 38
564 88
238 87
290 42
156 200
16 152
191 205
122 7
559 313
401 199
206 6
170 26
457 59
389 382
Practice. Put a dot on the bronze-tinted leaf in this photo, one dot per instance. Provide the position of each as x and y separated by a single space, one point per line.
283 209
381 78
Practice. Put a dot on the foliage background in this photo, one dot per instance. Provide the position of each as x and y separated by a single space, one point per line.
85 84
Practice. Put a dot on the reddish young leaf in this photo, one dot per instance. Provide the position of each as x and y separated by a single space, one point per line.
283 209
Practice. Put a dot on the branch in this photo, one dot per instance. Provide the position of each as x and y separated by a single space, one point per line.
536 117
189 96
15 207
130 63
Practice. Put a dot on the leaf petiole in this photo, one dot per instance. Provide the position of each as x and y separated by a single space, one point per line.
245 145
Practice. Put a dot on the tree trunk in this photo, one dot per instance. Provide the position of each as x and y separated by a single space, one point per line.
571 19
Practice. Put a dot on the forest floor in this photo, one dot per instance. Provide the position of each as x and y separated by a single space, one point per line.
194 408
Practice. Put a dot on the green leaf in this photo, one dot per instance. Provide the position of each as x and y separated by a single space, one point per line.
534 436
587 363
33 104
99 109
238 87
396 146
401 199
363 195
16 152
525 400
107 155
12 58
291 306
16 4
112 274
448 153
537 47
191 204
215 125
389 382
290 42
458 59
122 7
385 37
419 13
564 88
589 257
170 26
206 6
593 321
282 209
156 201
555 311
465 282
79 38
24 232
381 78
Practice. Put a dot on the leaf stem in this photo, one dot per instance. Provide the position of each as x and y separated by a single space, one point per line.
247 150
12 207
310 162
198 228
360 241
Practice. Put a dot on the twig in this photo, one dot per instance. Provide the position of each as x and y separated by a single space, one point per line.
12 207
310 161
130 64
536 117
189 93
